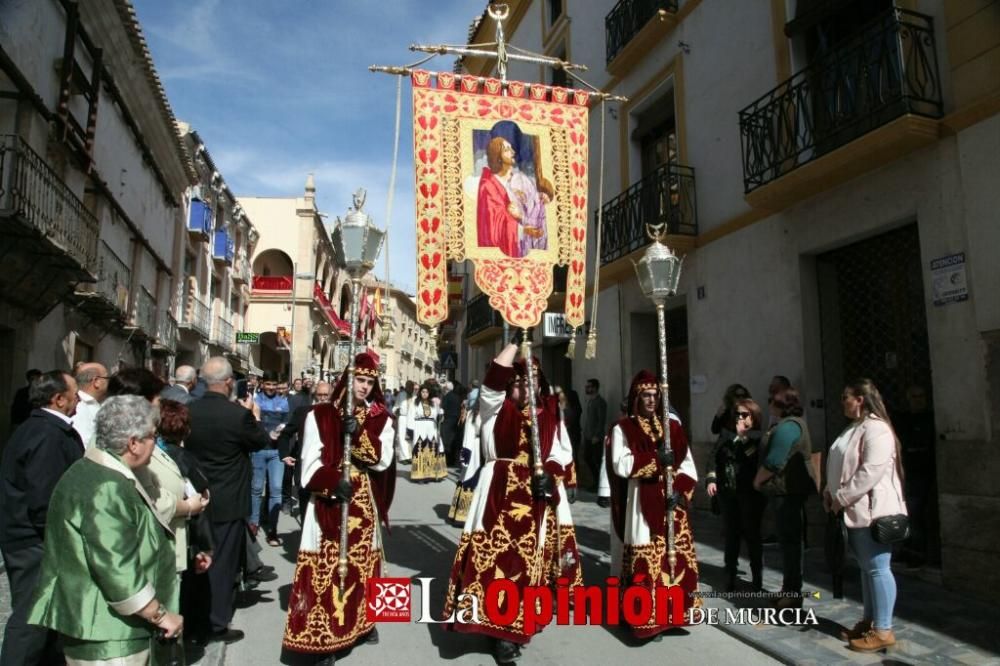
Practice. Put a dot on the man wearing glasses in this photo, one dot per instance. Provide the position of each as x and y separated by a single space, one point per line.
92 386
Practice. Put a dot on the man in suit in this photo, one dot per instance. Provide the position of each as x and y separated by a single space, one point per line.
223 435
37 455
20 406
185 379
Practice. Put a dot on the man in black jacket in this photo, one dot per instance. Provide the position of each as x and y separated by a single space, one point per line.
223 435
39 451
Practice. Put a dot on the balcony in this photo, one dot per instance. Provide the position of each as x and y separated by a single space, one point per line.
241 270
223 248
272 284
107 299
223 334
330 312
49 236
195 315
144 313
406 347
664 197
482 322
632 28
199 224
166 331
872 99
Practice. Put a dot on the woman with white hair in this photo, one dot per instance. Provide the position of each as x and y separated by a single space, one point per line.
108 583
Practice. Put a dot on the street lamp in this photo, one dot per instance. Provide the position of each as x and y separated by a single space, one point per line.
659 272
356 244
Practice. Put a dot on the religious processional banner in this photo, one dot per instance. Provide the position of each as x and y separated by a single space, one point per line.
501 180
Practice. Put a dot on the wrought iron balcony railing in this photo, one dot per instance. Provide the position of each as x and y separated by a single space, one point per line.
194 313
889 68
666 196
627 18
479 316
108 297
223 336
32 191
166 331
145 313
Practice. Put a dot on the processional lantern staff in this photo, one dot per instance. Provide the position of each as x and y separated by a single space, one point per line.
659 272
356 244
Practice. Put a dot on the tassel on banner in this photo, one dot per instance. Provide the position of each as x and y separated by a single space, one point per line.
591 351
571 348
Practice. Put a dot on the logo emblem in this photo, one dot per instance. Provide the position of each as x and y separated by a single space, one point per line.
388 600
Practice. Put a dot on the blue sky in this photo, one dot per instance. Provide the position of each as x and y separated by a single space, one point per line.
279 89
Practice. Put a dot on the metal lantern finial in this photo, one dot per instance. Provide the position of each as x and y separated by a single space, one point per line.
659 270
356 241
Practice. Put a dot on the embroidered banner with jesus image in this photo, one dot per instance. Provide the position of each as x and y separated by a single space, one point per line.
501 180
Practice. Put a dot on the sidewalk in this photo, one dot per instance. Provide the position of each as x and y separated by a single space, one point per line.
932 624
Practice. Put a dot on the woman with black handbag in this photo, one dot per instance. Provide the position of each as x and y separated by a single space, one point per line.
865 483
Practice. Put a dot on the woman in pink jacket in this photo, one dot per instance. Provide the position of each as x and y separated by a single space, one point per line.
864 482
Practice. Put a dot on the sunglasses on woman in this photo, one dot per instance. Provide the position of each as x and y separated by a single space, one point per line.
743 415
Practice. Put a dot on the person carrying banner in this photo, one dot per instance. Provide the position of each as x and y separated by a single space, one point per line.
639 505
326 614
519 525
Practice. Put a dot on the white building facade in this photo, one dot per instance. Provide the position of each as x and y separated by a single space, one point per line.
830 174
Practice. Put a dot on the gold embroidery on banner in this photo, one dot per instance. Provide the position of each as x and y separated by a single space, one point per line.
451 180
560 173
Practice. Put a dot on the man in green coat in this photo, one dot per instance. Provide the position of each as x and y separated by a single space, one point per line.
108 580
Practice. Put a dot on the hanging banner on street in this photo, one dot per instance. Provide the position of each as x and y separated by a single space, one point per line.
501 180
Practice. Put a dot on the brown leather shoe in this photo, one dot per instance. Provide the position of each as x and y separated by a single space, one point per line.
873 641
857 631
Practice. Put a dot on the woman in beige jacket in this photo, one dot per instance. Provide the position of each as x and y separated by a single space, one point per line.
864 482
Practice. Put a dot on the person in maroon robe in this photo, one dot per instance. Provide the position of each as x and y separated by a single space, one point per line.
640 508
519 525
326 614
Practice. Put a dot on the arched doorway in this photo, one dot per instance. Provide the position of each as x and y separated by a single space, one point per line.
345 302
272 262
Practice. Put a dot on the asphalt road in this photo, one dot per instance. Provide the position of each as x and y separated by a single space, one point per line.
422 544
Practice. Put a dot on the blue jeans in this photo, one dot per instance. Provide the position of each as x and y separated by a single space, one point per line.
878 585
266 465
